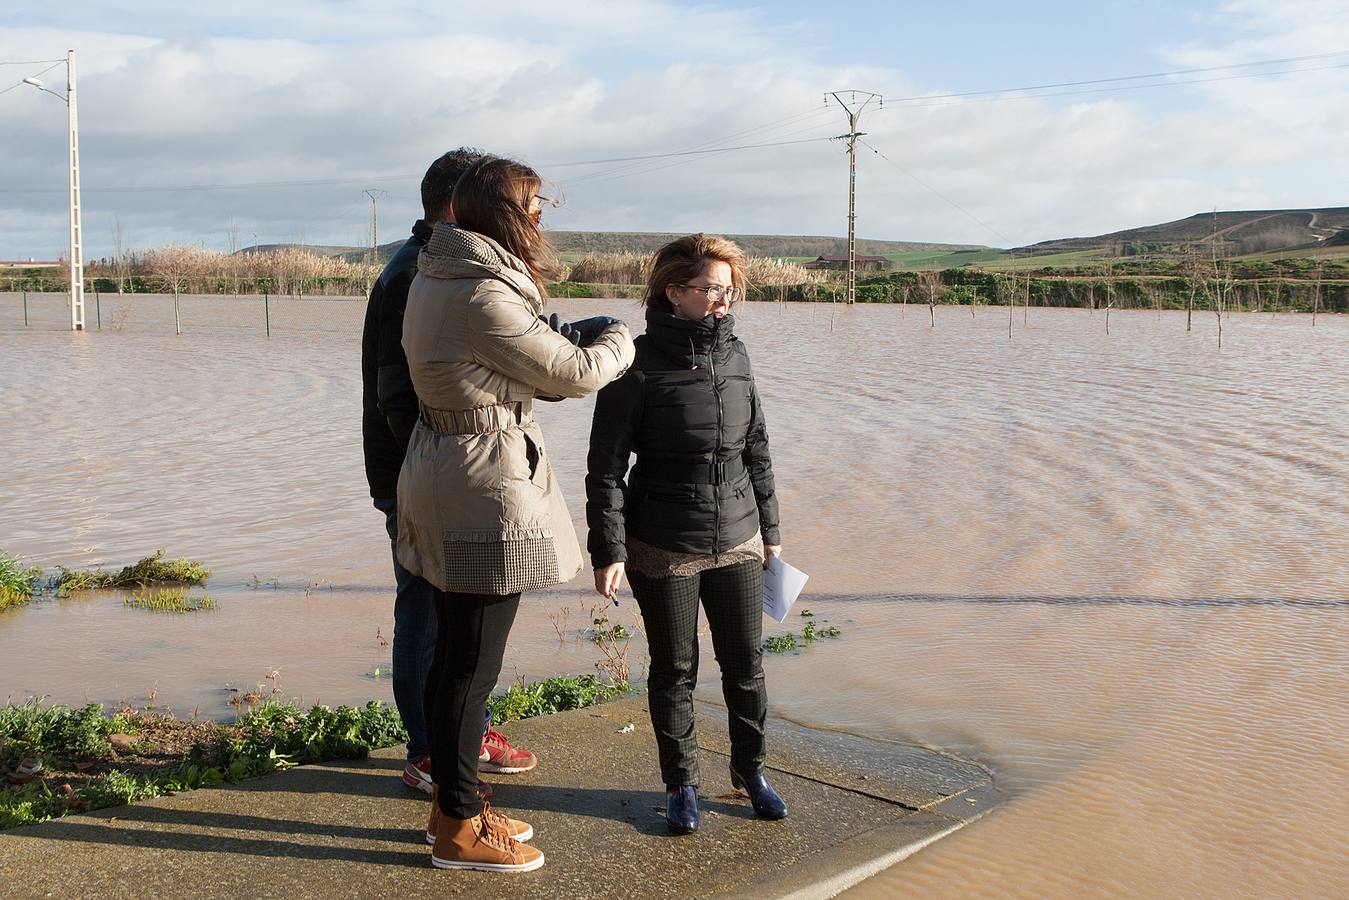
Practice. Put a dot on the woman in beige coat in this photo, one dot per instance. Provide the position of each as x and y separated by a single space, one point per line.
480 514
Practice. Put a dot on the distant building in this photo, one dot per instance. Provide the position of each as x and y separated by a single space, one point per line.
875 263
29 264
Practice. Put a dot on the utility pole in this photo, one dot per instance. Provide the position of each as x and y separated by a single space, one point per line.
374 196
76 234
854 111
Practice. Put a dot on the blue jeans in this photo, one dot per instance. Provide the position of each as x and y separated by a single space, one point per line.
414 641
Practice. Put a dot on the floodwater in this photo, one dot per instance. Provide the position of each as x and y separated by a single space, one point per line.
1112 568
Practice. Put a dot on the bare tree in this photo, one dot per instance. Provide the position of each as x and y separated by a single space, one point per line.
932 285
1316 297
174 265
121 263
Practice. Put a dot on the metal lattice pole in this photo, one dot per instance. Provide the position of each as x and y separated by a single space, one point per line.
854 115
374 196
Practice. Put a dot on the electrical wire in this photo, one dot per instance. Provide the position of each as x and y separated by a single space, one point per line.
763 130
152 189
1004 238
1038 87
31 62
947 99
21 83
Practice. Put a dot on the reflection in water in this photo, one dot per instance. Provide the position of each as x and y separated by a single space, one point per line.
1113 568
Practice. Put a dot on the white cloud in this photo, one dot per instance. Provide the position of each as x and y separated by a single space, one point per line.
305 91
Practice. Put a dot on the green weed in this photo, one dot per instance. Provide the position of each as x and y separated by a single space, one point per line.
270 737
811 632
542 698
176 601
144 572
31 729
17 582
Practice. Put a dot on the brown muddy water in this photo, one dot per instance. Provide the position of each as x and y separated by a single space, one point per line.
1113 568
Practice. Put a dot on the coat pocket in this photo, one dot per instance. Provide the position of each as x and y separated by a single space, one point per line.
534 460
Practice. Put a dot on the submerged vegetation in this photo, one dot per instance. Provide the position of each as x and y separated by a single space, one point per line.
147 571
19 584
174 600
810 633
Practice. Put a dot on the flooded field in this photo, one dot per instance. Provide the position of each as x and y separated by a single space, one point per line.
1113 568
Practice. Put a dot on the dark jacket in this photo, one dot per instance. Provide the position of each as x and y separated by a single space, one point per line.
388 401
689 410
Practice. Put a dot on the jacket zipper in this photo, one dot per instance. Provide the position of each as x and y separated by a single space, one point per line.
716 449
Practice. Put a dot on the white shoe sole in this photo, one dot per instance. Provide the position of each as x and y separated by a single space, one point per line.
485 867
522 837
493 769
421 784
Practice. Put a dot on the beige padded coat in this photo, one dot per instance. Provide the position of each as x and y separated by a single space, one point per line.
479 510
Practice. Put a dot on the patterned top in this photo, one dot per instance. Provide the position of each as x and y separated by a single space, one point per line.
653 562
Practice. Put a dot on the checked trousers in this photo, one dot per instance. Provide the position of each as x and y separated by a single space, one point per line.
732 597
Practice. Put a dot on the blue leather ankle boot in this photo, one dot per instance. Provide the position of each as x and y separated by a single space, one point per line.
681 808
766 802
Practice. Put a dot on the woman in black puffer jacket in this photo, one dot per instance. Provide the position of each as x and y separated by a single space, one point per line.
697 517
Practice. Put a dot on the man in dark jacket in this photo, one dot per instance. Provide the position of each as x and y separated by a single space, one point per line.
389 413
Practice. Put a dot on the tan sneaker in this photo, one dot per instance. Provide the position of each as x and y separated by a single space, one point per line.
520 831
478 843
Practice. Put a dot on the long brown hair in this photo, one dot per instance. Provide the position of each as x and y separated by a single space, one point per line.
683 259
492 198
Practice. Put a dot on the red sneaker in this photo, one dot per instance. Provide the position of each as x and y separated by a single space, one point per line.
500 757
417 774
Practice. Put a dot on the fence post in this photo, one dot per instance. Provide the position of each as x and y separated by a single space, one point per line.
267 311
177 320
98 309
25 307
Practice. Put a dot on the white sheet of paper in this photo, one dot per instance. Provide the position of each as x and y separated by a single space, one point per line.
782 584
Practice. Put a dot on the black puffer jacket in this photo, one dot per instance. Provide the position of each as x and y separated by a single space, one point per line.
388 401
688 407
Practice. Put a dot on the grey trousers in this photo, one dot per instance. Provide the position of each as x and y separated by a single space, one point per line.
733 599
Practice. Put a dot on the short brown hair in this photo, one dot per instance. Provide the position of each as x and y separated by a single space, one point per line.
439 181
684 259
492 198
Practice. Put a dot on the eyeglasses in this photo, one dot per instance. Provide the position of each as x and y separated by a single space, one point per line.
716 292
537 214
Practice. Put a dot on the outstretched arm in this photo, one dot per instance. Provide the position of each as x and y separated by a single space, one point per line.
507 337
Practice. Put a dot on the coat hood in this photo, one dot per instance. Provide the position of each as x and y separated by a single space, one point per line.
455 252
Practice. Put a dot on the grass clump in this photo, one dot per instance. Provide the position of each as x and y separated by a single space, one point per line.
17 582
143 573
553 695
81 770
175 601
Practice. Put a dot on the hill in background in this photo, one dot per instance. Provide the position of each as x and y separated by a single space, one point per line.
1262 234
1239 233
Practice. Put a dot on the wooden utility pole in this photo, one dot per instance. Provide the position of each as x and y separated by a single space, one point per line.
854 114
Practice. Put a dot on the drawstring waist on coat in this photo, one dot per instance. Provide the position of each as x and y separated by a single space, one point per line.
479 420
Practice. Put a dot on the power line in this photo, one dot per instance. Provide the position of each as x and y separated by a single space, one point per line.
1008 241
31 62
150 189
762 130
944 100
643 168
21 83
1039 87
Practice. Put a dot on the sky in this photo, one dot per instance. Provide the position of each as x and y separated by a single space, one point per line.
222 125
